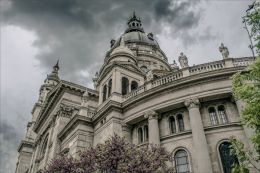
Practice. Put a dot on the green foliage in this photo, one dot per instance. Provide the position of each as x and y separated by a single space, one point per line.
246 87
238 150
252 19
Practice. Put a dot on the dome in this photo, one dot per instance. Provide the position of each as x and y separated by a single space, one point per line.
121 48
134 33
137 37
140 37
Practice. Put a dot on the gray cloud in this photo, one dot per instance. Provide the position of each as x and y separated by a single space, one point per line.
9 139
78 32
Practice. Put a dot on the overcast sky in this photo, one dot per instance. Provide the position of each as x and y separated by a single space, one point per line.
35 33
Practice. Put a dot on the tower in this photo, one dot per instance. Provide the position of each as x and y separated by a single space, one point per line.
26 146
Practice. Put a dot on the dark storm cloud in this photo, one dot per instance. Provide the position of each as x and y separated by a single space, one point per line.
78 32
180 13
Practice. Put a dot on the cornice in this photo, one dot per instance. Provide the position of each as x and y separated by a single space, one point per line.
77 119
25 143
107 123
35 105
176 135
53 97
209 129
107 68
184 82
108 107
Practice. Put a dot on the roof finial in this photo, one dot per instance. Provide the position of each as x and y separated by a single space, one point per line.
57 65
134 16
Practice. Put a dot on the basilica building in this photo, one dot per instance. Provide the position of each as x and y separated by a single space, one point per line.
139 95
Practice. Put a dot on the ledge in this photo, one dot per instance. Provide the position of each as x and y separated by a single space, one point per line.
186 132
76 120
222 126
25 143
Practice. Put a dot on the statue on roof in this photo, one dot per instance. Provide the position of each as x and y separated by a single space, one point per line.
174 65
224 51
183 60
112 42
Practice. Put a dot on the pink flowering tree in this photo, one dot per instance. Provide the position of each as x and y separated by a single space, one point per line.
114 156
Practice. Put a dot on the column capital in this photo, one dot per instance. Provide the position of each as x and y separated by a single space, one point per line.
151 114
192 103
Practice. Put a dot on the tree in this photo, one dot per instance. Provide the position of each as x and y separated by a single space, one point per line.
252 20
246 87
114 156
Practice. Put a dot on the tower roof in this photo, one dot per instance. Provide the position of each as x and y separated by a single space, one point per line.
55 73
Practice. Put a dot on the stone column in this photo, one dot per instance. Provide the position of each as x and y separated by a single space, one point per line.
154 136
199 139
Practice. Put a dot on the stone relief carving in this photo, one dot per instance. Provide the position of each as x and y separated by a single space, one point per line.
183 60
149 75
85 97
66 111
95 78
192 103
224 51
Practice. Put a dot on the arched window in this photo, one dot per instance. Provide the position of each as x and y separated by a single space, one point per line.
125 85
222 114
134 85
213 116
181 161
172 124
140 135
227 160
109 87
146 133
180 122
104 93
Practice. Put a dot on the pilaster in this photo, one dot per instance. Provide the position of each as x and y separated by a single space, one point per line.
153 126
127 132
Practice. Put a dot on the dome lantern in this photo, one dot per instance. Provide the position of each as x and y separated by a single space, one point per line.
134 24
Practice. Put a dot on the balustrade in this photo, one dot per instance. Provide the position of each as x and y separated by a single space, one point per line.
216 65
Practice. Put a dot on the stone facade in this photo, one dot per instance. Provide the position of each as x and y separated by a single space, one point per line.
189 110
